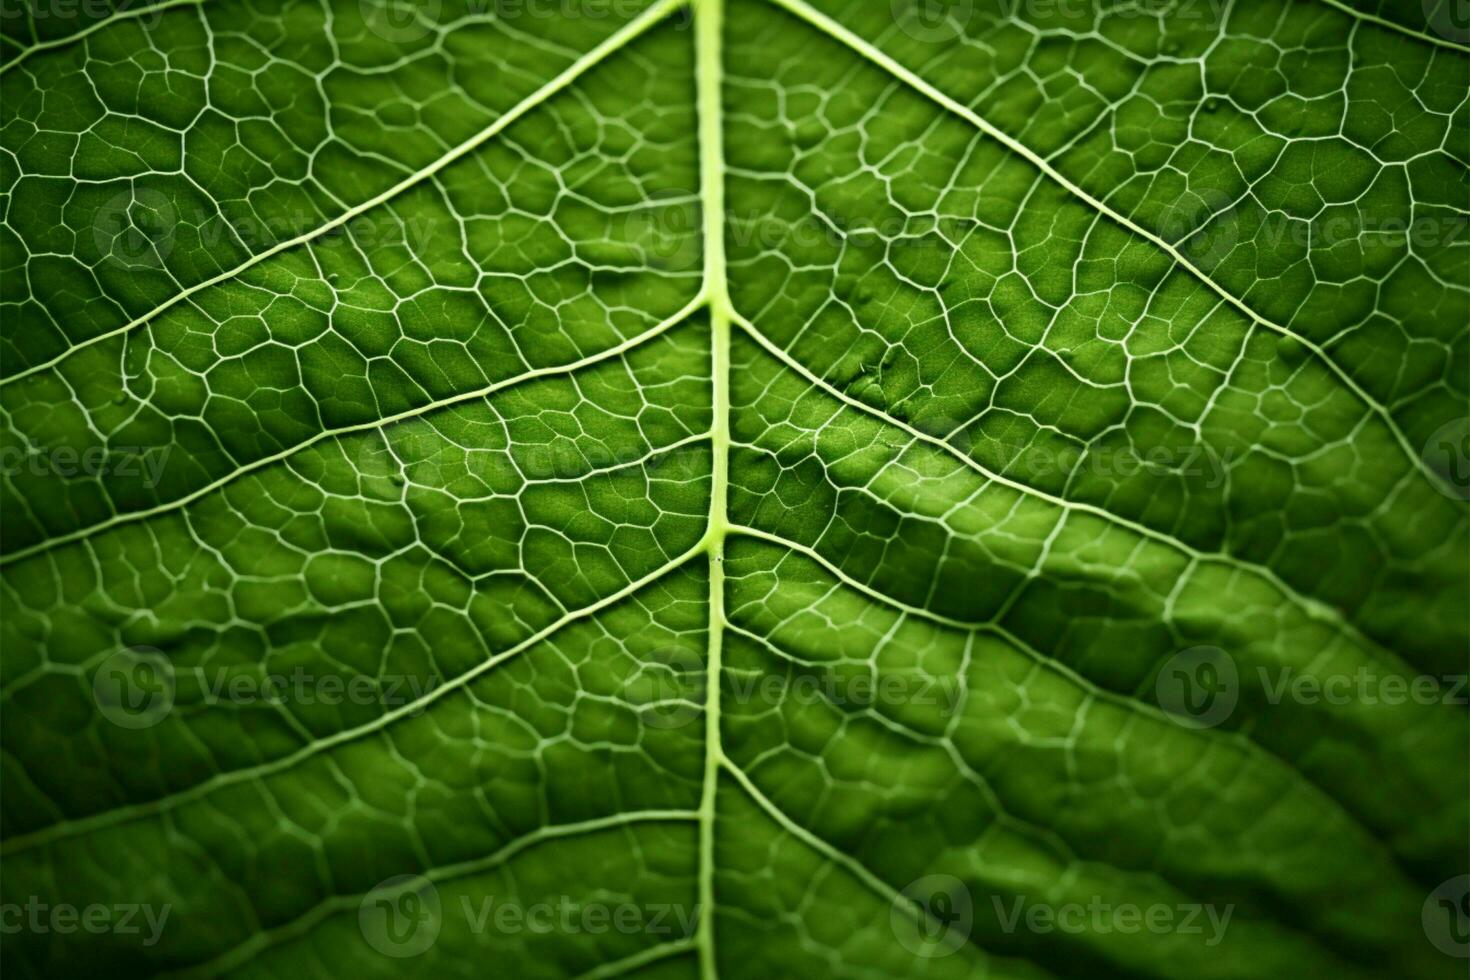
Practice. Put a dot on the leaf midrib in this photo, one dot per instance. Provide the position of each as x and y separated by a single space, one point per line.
714 298
864 49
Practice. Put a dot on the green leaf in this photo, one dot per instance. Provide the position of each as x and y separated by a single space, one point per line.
782 488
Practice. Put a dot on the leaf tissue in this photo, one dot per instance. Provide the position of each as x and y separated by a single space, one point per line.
735 488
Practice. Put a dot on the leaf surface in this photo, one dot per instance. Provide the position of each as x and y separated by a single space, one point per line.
760 466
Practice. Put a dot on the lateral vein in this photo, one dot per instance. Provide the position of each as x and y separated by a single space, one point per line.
571 73
870 52
482 392
124 814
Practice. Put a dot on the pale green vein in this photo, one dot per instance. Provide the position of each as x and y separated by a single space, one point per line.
266 461
1313 609
571 73
903 74
709 16
115 18
640 959
137 811
1240 740
311 918
1392 25
829 852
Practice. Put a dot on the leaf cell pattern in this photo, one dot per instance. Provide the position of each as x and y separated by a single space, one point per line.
758 454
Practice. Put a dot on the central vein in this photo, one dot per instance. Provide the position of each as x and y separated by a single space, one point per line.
708 15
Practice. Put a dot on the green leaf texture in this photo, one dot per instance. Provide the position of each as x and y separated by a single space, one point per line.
772 471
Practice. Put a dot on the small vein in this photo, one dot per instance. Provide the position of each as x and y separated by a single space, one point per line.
483 392
114 18
1131 704
1314 609
1392 25
162 804
570 74
867 50
303 923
